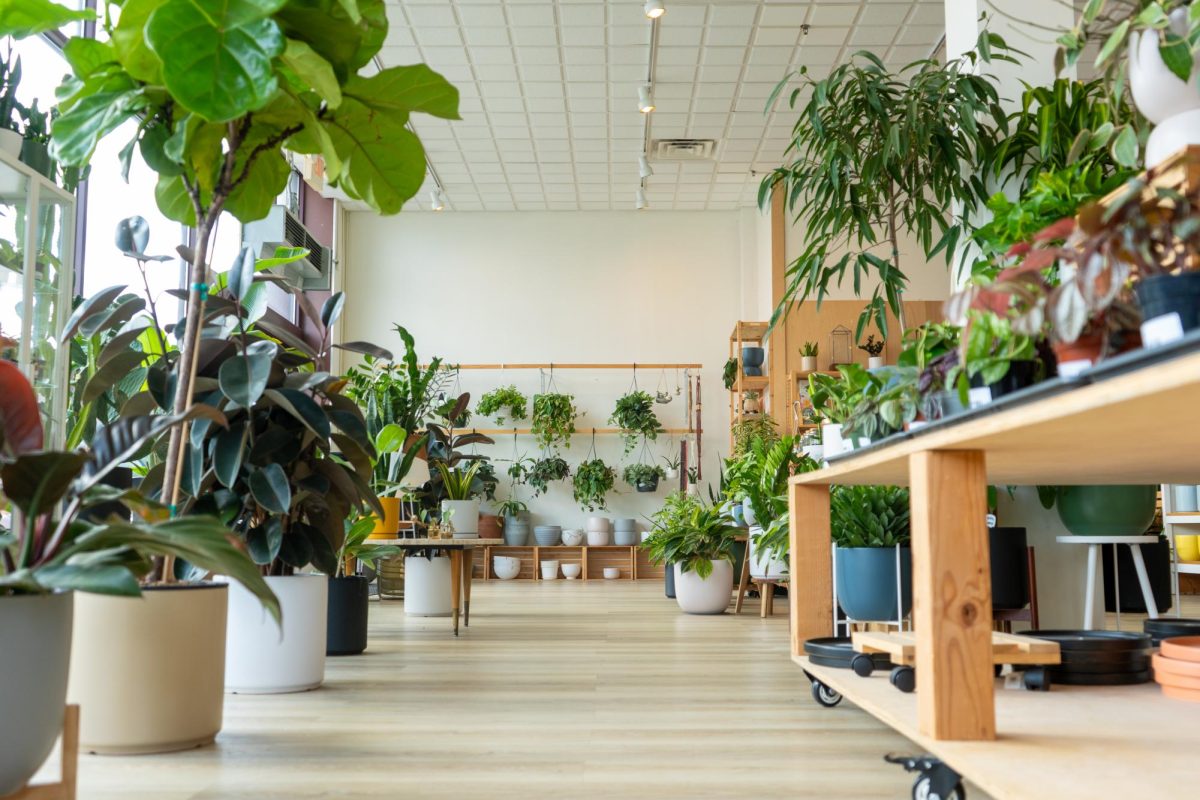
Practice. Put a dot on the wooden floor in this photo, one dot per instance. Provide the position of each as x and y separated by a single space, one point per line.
557 690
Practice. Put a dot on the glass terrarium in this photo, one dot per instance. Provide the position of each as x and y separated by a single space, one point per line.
37 224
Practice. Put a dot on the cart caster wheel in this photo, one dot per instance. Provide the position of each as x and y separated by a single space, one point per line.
904 678
824 695
997 670
1037 680
863 665
923 790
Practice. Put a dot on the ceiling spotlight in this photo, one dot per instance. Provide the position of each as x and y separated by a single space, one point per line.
654 9
645 104
437 201
640 199
644 168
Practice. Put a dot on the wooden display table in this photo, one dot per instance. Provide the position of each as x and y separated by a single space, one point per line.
1134 427
462 561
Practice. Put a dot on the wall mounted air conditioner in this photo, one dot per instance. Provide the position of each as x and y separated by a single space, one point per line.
282 228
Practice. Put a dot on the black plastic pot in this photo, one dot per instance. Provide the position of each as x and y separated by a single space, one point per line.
346 621
1010 568
648 485
669 581
1021 374
1158 569
1164 294
37 156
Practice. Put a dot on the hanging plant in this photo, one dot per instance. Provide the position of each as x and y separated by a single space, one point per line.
544 470
554 419
504 402
634 415
643 477
593 480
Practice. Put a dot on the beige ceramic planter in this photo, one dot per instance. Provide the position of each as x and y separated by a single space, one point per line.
149 673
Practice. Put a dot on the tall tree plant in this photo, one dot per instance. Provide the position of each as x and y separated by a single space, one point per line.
220 90
876 154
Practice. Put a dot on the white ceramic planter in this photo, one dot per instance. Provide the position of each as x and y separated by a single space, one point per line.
874 362
1162 97
814 451
572 538
506 567
808 363
549 570
597 538
597 523
35 651
162 653
464 516
762 564
262 658
10 143
831 439
710 595
427 586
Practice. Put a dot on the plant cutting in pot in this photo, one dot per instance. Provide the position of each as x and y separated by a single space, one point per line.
346 623
593 480
503 404
808 357
461 486
874 351
635 416
867 524
643 477
553 419
697 541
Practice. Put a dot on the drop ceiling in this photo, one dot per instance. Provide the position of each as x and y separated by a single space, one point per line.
549 92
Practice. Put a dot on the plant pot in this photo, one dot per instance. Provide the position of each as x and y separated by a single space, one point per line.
464 516
1172 135
1021 374
874 362
506 567
547 535
549 570
939 405
1163 295
763 564
36 634
831 438
1008 551
750 405
346 621
669 581
671 473
36 156
389 526
516 533
10 143
1074 357
696 595
625 538
650 485
808 363
1106 510
1157 558
866 583
597 538
598 523
391 577
263 658
573 538
737 512
490 526
1183 498
752 360
427 586
1162 96
162 654
814 451
749 515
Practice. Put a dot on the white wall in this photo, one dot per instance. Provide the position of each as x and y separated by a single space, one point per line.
562 286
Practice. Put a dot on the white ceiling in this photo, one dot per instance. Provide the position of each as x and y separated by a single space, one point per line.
549 91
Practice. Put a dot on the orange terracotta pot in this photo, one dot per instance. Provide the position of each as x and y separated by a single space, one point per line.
490 527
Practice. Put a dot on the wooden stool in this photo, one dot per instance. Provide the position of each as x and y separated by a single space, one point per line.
766 594
65 788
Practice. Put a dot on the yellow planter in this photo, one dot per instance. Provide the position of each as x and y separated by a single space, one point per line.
389 526
1188 548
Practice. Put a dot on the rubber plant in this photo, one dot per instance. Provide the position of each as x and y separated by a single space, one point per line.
876 154
553 419
593 480
634 415
220 91
503 403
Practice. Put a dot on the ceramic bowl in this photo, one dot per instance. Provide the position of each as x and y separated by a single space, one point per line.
612 573
547 535
572 538
625 538
597 523
549 570
506 567
571 571
626 524
597 538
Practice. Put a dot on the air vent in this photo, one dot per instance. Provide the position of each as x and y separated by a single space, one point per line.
280 228
683 149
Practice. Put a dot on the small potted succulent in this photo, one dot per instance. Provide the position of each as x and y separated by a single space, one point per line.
874 351
643 477
808 357
671 472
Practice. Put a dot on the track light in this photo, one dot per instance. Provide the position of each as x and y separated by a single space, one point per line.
645 104
437 200
654 9
644 168
640 199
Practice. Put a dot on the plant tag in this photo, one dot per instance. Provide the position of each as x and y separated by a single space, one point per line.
979 396
1069 369
1162 330
1014 680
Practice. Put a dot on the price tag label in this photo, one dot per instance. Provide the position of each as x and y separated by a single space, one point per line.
1069 369
1162 330
979 396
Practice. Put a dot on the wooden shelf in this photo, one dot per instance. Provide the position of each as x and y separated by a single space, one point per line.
749 332
630 559
578 432
752 383
1071 742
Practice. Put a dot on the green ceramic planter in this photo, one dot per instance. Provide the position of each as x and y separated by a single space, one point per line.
1106 510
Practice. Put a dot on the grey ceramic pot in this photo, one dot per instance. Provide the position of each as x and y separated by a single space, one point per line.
866 582
625 538
516 530
625 524
35 655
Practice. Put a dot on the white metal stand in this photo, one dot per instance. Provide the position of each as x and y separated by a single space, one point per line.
1094 544
1172 518
902 623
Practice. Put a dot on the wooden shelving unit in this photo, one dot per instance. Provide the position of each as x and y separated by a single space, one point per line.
748 334
791 414
630 559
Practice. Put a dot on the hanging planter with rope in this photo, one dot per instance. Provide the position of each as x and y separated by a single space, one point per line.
593 480
644 475
554 416
635 416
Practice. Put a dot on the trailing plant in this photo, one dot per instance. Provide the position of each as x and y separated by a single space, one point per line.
869 516
544 470
729 373
356 547
875 154
989 346
512 507
503 402
593 480
641 474
688 533
809 350
747 431
872 347
635 416
553 419
927 341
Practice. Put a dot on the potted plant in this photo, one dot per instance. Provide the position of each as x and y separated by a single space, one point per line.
634 415
765 498
729 373
544 470
35 148
1102 510
64 543
553 419
993 355
747 431
593 480
874 351
516 522
10 107
751 404
868 524
643 477
697 542
349 592
504 403
461 503
808 357
672 469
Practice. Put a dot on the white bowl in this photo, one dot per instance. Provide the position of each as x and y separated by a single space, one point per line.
572 538
611 573
571 571
549 570
506 567
597 538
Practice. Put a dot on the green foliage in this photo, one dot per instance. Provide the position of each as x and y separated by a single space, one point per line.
459 483
355 546
544 470
512 507
687 532
927 341
988 348
503 402
869 516
875 154
23 18
746 432
729 373
809 350
593 480
872 347
554 419
635 416
642 474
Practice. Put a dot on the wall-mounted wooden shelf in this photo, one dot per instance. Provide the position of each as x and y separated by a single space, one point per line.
631 560
580 432
552 365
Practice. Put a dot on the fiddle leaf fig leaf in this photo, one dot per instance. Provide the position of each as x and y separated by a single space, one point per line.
313 70
22 18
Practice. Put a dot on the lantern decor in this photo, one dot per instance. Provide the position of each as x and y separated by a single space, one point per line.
840 346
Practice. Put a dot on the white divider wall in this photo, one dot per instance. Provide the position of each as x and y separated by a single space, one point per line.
568 287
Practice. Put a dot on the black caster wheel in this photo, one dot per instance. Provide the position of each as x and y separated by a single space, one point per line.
1037 680
824 695
863 665
904 678
997 670
923 790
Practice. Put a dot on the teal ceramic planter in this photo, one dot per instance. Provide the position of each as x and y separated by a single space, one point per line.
866 582
1106 510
